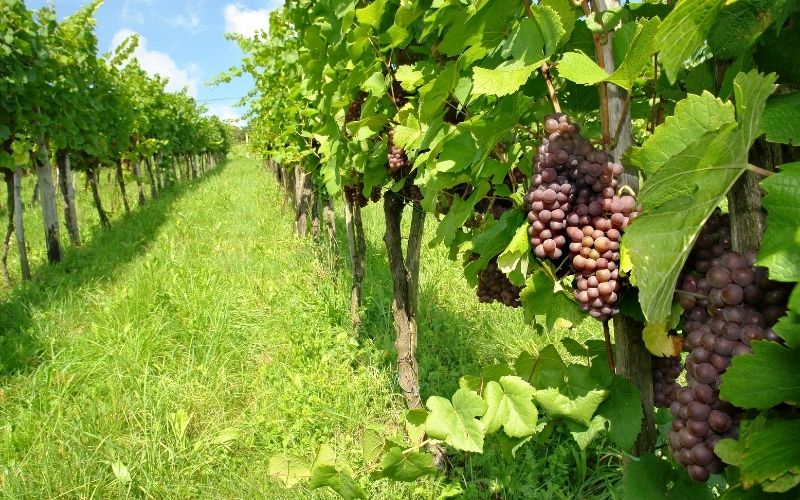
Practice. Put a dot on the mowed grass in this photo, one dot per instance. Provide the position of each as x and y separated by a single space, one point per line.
173 355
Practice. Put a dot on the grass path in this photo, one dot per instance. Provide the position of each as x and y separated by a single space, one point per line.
172 355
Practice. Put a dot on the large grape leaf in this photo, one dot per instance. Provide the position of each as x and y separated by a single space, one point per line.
480 31
405 465
694 117
544 370
772 368
654 478
741 23
679 197
580 68
683 32
576 399
491 241
510 406
622 412
765 454
455 422
505 79
339 480
788 327
288 470
545 302
515 258
371 14
529 45
780 248
781 121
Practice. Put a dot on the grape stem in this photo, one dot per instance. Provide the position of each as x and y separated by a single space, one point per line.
545 70
609 354
760 171
601 61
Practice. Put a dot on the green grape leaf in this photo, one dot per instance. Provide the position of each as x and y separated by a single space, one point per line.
459 212
505 79
654 478
543 370
638 56
510 405
781 55
693 117
585 434
772 368
679 197
480 31
403 465
788 327
433 95
491 241
455 422
740 24
622 412
683 32
415 424
545 302
371 14
339 480
515 258
781 122
288 470
373 444
567 14
576 399
780 248
765 454
580 68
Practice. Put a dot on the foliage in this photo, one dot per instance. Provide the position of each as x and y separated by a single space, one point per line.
457 82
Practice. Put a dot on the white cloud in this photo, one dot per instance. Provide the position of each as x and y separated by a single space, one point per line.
226 112
247 22
155 62
189 21
132 10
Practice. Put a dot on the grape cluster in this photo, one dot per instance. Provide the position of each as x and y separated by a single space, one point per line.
396 156
354 194
728 303
494 286
666 371
353 112
452 114
573 206
398 96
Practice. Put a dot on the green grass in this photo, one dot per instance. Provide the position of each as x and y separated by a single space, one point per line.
199 336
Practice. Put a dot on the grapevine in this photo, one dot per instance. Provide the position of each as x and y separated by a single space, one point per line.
728 303
572 196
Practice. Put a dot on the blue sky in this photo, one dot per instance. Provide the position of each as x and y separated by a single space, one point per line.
182 40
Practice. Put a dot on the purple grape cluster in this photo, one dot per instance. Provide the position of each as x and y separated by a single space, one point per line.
666 371
728 303
354 194
494 286
396 156
573 205
353 112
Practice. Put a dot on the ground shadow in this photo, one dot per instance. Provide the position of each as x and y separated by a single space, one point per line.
97 259
445 349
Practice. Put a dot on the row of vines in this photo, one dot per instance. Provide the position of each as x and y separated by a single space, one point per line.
629 163
62 105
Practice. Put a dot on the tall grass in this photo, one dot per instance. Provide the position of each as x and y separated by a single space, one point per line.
172 355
